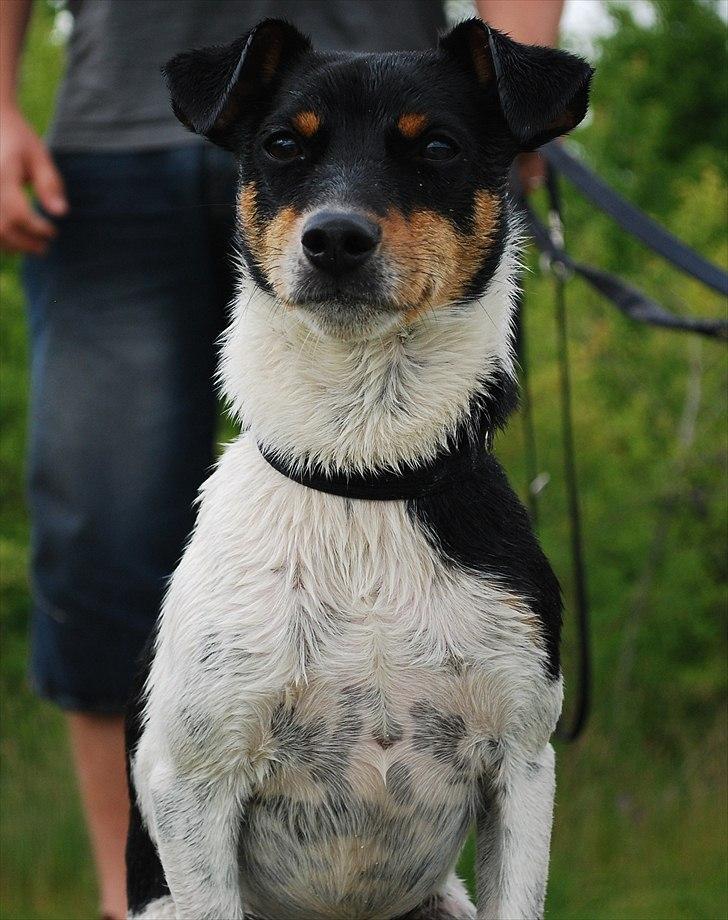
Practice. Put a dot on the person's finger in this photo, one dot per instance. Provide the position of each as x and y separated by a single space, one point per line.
16 240
531 171
47 181
18 220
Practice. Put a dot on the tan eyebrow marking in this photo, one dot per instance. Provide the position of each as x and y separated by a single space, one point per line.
307 123
412 124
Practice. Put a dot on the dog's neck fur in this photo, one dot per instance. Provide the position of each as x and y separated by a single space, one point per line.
341 406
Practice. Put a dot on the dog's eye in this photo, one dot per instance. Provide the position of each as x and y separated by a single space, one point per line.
439 148
283 147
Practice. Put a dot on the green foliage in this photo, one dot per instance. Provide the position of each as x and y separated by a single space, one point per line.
660 105
641 808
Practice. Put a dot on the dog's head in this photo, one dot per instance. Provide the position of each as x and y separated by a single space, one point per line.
373 185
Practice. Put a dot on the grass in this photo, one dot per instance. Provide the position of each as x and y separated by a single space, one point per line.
642 816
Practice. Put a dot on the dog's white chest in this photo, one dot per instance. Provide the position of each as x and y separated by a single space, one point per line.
361 684
282 585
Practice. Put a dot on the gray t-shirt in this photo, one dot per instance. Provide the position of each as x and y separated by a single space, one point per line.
113 97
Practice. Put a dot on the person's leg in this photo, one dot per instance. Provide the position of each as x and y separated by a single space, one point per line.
97 742
122 426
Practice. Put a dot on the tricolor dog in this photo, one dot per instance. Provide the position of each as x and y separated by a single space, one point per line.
358 657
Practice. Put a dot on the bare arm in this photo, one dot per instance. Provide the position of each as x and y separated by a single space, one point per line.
24 159
14 16
534 22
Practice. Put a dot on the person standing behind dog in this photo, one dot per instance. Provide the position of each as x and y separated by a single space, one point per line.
127 281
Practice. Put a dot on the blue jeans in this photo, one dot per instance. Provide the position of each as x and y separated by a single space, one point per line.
125 310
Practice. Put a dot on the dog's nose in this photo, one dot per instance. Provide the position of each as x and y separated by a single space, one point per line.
338 243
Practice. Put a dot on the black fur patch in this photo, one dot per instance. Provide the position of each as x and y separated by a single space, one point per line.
145 880
482 526
324 750
440 733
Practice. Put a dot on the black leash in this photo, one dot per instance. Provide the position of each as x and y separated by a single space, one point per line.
551 243
626 297
561 272
529 431
635 221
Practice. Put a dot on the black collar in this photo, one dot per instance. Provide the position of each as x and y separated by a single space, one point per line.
459 461
448 468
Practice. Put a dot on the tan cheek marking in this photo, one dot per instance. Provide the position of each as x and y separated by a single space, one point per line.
248 210
277 235
307 123
421 247
435 262
411 125
275 243
487 213
268 244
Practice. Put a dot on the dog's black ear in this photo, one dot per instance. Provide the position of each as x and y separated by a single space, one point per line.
212 88
543 92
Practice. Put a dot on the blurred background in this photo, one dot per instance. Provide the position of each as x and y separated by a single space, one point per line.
641 816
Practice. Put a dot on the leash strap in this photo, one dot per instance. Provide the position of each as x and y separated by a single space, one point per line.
635 221
561 272
528 428
626 297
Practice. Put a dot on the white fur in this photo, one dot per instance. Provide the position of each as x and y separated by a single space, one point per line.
288 599
374 403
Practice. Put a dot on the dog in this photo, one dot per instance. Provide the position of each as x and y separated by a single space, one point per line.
357 659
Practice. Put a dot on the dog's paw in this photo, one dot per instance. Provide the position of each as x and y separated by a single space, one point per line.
454 901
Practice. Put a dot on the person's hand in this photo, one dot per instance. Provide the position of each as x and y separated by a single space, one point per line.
531 171
24 160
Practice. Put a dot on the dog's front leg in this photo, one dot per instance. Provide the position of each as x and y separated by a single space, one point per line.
513 838
197 824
